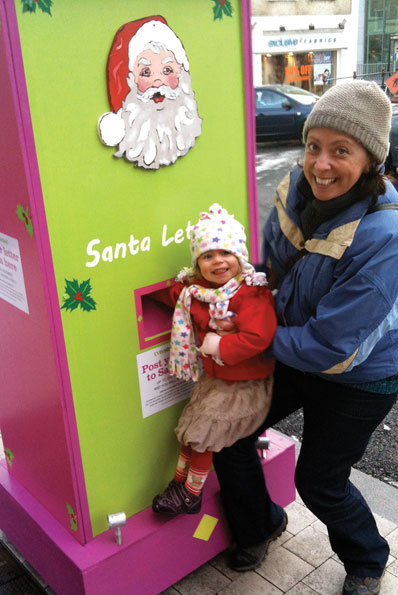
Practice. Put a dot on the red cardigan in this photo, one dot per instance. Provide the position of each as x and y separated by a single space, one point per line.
241 351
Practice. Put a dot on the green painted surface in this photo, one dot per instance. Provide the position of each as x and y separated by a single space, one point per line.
88 194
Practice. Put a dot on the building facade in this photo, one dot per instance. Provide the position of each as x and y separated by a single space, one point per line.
381 33
307 43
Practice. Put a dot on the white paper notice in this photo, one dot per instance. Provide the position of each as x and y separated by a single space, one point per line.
158 389
12 284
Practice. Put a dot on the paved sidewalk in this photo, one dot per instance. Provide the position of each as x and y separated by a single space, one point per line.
300 562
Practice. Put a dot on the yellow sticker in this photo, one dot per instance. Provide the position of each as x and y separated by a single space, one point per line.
205 527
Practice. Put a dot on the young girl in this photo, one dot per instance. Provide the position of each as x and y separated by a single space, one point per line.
233 392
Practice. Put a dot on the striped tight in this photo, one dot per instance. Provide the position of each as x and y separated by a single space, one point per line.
193 468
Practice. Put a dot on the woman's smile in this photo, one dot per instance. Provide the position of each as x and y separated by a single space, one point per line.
324 181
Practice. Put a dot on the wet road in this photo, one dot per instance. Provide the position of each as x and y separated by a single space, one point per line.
273 161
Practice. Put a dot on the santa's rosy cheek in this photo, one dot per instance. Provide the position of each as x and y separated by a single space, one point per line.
143 83
172 80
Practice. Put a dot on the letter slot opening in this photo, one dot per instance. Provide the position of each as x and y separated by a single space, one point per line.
153 318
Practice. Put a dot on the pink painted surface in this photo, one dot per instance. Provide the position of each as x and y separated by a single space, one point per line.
250 132
31 414
28 149
155 552
279 468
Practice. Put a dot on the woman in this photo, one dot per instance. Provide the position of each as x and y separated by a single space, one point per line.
336 345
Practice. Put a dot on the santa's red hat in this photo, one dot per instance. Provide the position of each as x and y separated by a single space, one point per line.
128 43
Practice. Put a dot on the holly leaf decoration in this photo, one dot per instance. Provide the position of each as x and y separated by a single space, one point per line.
88 304
23 215
9 456
72 516
71 291
31 5
78 295
221 8
45 5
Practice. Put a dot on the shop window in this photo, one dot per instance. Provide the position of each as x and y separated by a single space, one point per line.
311 71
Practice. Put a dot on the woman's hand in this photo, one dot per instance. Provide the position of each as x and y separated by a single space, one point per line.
226 327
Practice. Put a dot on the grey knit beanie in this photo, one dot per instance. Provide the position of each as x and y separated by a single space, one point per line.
358 108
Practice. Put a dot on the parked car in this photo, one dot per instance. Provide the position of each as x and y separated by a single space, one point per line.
392 158
281 111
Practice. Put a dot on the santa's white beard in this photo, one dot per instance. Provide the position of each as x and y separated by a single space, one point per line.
158 133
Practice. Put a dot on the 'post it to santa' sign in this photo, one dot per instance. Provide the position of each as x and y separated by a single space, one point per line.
124 121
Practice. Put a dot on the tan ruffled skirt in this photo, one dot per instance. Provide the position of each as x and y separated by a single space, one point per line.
218 414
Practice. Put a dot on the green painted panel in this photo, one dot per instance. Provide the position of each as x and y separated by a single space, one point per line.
90 195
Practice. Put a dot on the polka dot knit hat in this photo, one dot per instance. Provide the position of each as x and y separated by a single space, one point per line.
218 230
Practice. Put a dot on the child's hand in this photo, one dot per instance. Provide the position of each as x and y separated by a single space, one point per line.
210 345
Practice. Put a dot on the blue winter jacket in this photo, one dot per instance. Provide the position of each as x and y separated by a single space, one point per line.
337 306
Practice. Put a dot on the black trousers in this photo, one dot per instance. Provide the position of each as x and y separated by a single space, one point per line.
338 423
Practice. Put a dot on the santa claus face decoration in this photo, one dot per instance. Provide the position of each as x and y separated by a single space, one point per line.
155 70
154 118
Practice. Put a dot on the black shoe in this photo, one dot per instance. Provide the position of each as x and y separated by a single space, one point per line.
355 585
176 499
249 558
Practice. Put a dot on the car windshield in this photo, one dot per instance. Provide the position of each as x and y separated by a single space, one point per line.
298 94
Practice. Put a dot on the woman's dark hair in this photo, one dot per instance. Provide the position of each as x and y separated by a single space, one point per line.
372 183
